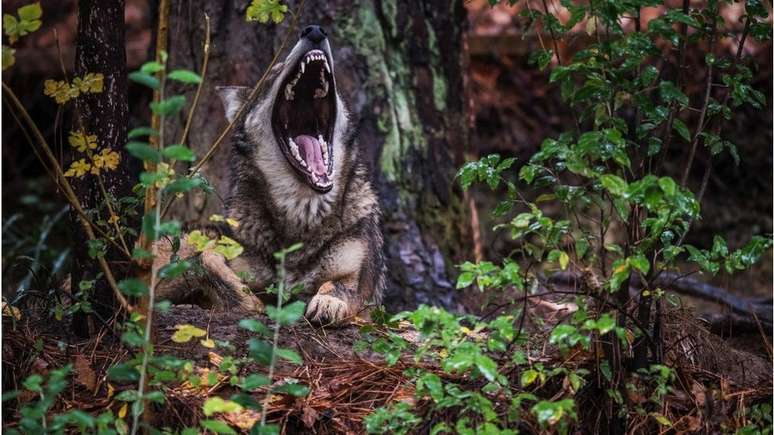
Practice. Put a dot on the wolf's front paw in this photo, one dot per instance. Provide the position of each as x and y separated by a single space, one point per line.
326 307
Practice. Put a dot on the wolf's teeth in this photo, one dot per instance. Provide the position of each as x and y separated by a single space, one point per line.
289 92
303 65
296 154
324 148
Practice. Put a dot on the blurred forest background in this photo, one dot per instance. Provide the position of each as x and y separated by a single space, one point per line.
509 109
433 85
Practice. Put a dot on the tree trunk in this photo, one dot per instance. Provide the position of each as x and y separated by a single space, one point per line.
100 48
399 67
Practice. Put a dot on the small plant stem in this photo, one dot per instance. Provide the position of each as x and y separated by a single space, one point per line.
69 193
273 360
195 104
148 336
705 104
112 213
680 78
147 272
243 109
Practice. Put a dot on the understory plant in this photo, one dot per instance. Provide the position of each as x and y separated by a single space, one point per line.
601 208
140 383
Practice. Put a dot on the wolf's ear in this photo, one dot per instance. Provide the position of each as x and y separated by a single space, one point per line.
232 97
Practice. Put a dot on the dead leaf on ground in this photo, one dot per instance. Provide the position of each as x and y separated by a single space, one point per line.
84 374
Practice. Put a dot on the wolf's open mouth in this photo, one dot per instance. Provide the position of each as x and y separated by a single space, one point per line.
303 119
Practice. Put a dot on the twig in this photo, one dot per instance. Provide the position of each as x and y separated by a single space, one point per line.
195 103
112 213
705 105
248 102
152 201
69 193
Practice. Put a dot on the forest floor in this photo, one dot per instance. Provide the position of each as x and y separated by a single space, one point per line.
715 381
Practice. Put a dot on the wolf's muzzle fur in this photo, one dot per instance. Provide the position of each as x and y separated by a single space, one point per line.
296 176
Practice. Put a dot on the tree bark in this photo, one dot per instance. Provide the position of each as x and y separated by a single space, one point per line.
100 48
399 67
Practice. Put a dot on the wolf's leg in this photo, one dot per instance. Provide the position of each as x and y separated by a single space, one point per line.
234 294
349 282
221 286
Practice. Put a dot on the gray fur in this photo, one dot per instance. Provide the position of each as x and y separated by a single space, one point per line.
340 267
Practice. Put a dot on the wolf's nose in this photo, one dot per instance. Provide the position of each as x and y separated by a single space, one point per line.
315 34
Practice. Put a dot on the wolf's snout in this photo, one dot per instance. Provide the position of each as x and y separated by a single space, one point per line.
316 34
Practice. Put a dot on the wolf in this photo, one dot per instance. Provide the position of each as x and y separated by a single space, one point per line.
296 175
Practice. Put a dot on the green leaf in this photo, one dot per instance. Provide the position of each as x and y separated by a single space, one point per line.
143 151
217 426
614 184
528 377
671 93
142 131
640 262
145 79
168 107
289 355
182 185
293 389
264 10
465 279
487 367
269 429
254 325
133 287
254 381
174 269
123 373
648 75
185 76
679 126
621 271
260 351
151 67
30 12
179 152
668 186
216 404
228 248
288 315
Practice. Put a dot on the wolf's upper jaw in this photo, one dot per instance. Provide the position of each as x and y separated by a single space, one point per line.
304 117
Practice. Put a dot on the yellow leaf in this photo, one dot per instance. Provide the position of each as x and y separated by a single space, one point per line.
11 311
208 343
9 57
564 260
113 219
78 169
90 83
107 159
122 410
110 390
185 333
59 90
232 222
82 141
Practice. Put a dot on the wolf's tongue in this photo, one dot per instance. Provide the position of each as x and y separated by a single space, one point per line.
312 153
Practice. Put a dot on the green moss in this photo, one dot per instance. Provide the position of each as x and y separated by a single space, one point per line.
388 85
439 83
